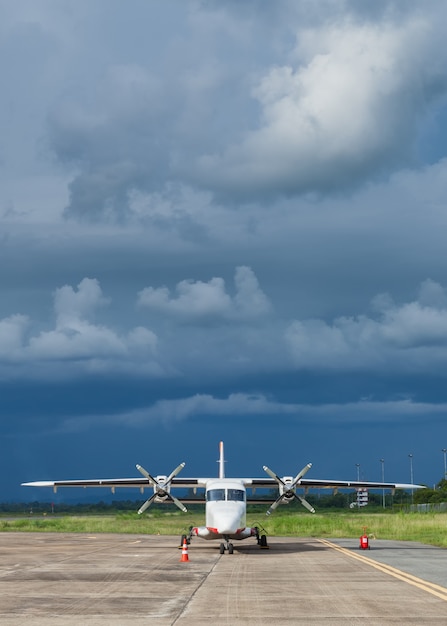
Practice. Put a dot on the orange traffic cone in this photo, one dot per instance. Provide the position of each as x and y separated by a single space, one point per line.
185 557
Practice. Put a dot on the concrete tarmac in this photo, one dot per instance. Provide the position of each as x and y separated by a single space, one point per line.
51 579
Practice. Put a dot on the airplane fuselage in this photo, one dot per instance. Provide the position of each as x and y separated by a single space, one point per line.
226 511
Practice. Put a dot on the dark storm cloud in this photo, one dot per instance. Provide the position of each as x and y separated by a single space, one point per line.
342 104
255 242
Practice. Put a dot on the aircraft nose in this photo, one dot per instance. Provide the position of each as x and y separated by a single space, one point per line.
226 530
228 526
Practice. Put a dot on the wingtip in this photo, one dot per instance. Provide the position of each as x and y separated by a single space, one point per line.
39 483
409 486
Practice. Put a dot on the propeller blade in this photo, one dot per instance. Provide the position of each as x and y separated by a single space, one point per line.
273 475
147 504
146 474
177 502
304 471
305 503
274 505
174 473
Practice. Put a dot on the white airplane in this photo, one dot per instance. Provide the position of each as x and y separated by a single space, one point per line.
226 498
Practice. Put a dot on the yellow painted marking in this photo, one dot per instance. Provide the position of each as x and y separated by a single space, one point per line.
425 585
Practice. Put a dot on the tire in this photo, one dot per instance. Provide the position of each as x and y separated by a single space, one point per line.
230 548
263 541
222 548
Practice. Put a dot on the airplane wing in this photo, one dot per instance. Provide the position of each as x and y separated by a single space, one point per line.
113 483
191 483
316 483
161 485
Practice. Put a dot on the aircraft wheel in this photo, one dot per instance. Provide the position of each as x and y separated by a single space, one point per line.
222 548
230 548
182 539
263 541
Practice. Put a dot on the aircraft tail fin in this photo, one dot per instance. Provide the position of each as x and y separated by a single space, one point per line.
221 460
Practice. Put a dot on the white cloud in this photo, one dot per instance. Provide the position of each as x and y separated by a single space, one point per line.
399 338
411 336
71 306
255 406
346 107
76 345
197 300
432 294
171 411
83 342
194 299
250 300
12 336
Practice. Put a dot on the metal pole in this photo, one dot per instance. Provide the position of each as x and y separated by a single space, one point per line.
410 456
444 450
382 461
358 480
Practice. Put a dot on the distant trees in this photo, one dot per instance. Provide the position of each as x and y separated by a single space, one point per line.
429 496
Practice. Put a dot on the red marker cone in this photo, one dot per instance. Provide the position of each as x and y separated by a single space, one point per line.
185 557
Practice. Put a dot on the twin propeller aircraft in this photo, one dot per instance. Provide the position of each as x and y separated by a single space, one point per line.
226 498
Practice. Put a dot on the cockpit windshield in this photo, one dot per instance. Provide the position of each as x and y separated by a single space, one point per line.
213 495
236 494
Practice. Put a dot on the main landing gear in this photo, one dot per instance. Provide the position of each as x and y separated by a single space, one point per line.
261 539
186 537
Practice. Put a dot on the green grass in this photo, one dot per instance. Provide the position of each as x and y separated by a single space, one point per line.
429 528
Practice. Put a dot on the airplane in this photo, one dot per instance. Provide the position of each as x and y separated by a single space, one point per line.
225 498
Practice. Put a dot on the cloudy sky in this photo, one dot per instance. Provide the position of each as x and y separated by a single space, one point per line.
222 220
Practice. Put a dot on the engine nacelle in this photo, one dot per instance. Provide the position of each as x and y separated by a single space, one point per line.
161 497
162 488
286 487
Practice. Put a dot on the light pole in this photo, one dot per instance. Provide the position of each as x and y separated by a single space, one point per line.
382 461
358 480
410 456
444 451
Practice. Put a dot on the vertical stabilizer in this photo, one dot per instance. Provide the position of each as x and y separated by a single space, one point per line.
221 460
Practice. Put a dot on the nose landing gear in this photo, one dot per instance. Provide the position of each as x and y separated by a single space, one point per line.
227 545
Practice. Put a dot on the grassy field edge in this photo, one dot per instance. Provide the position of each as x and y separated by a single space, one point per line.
428 528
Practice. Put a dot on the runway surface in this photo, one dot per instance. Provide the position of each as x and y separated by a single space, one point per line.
51 578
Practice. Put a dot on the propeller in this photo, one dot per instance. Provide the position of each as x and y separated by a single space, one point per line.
287 491
161 490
